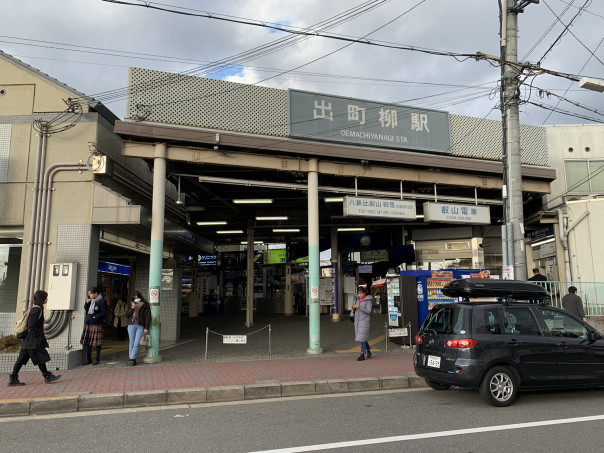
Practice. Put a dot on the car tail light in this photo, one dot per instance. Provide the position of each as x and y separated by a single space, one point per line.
418 339
460 343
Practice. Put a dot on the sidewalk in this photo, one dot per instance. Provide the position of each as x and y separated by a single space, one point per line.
229 374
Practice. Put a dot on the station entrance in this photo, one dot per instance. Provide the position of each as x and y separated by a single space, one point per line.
261 170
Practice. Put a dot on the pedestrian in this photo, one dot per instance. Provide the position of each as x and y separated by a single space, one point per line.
96 310
537 276
362 311
139 320
34 344
121 320
573 303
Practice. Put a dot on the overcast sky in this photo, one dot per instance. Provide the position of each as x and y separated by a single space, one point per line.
89 45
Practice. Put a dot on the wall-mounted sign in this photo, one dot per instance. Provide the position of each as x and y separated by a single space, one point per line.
379 207
167 277
457 213
368 256
276 256
113 268
541 233
333 118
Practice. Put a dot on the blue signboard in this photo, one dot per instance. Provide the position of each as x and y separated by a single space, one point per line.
207 260
203 260
323 117
113 268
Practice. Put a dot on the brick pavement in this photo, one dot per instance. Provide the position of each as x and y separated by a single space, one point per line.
230 373
94 380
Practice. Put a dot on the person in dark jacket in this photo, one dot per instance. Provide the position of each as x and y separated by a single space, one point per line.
573 303
96 310
362 311
537 276
139 321
34 344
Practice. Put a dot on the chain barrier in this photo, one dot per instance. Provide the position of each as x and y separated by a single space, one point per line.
239 339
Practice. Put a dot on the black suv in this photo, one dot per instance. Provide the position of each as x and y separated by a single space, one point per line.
513 342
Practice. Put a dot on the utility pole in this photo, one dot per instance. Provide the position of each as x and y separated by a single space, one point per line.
513 239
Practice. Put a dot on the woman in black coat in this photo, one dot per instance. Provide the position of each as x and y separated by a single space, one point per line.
34 344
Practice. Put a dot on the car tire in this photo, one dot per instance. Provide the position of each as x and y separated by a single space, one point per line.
499 386
437 385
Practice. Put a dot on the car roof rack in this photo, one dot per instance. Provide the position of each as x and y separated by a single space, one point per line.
506 290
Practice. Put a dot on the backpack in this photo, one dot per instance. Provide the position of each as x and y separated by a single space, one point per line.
21 326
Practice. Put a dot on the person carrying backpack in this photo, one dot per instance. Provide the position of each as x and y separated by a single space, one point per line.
34 345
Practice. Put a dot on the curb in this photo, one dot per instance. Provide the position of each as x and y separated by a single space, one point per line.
148 398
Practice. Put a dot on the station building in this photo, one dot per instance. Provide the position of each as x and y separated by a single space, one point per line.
395 187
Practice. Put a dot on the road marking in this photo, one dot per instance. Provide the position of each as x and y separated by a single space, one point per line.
358 348
454 432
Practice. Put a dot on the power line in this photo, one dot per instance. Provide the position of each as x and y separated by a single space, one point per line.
583 67
567 28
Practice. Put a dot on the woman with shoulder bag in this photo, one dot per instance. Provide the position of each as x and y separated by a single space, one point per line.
34 344
139 321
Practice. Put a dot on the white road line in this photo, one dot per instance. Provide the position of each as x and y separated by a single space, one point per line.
454 432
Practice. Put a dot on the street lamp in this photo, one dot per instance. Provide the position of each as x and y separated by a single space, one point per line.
591 84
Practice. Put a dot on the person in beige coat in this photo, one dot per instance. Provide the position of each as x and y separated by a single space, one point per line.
120 321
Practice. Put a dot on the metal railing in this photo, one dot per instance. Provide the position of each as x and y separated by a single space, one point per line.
592 294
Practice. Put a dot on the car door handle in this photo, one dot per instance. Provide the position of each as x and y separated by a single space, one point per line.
562 344
513 342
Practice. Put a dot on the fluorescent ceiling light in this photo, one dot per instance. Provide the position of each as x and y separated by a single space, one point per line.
351 229
212 222
274 217
286 230
253 201
229 232
255 242
334 200
545 241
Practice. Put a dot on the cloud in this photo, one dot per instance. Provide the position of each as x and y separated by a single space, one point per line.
99 40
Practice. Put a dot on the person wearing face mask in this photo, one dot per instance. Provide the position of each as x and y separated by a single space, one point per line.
139 321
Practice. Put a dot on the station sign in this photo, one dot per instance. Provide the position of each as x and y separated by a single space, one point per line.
379 208
457 213
113 268
319 116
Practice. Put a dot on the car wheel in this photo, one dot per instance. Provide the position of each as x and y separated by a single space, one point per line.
437 385
499 386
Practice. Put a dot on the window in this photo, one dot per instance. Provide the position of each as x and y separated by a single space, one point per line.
562 325
491 321
449 320
520 321
584 175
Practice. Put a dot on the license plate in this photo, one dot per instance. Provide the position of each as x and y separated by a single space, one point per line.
434 361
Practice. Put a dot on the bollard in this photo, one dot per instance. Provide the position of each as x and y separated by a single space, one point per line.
207 332
386 324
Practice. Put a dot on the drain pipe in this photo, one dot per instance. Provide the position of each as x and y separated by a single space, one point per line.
40 159
564 241
564 235
45 218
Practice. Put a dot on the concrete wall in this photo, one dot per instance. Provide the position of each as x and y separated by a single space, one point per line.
579 143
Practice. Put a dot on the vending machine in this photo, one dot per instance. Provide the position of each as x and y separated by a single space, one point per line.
402 307
429 285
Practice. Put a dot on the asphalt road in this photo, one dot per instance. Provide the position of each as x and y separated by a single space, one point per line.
415 420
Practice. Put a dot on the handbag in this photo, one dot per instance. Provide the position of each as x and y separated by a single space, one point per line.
145 340
352 315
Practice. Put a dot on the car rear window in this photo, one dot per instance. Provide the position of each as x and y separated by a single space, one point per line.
449 320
